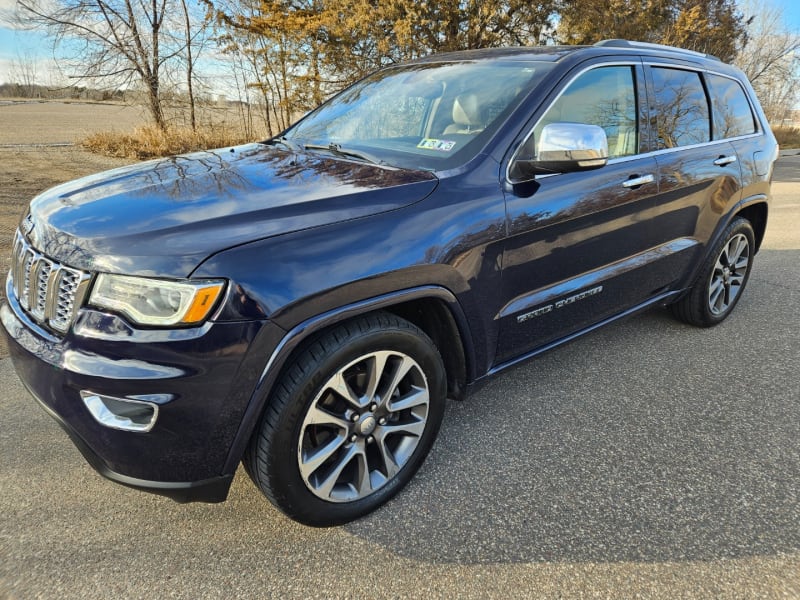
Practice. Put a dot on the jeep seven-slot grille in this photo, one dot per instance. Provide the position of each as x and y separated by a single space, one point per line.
48 291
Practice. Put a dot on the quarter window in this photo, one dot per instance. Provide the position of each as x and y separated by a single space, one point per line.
730 108
605 96
682 115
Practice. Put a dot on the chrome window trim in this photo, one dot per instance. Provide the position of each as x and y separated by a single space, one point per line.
656 153
652 153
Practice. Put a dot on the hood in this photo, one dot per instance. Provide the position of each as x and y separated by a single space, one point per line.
164 217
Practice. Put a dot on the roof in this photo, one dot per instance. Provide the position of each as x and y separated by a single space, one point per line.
555 53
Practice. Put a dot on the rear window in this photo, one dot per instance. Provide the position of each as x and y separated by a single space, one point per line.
729 106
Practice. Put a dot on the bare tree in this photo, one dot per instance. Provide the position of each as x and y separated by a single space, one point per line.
771 59
23 72
189 64
122 42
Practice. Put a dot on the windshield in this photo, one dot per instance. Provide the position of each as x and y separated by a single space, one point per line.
426 116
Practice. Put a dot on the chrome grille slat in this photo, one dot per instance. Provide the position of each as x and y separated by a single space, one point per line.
48 291
38 288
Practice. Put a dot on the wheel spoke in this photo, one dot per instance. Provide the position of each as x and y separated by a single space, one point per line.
737 280
401 370
741 264
319 416
312 460
414 428
715 291
376 366
343 389
418 396
739 245
325 488
363 485
390 466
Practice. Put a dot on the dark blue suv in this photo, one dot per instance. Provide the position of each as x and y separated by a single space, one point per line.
305 305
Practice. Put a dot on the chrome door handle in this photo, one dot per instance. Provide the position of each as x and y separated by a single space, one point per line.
637 181
725 160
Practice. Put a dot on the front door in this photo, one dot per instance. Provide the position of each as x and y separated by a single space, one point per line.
579 246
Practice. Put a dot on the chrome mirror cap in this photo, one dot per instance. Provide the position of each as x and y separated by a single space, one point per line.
571 146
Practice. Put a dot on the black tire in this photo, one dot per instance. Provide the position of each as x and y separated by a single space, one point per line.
284 452
721 281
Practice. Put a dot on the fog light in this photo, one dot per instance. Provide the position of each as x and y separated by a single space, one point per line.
121 413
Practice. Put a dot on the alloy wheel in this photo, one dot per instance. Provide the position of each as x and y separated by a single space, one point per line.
363 426
729 274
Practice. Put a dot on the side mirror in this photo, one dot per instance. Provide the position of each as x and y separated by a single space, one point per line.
564 147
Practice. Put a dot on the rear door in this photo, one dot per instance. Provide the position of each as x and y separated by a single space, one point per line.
578 243
699 177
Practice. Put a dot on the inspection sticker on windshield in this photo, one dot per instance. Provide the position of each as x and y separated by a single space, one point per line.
433 144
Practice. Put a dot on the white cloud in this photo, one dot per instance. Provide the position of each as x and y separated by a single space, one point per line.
7 10
43 70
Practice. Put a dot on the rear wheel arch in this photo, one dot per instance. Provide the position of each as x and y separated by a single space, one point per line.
756 214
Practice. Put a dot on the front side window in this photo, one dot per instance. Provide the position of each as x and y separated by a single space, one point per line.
605 96
730 108
682 115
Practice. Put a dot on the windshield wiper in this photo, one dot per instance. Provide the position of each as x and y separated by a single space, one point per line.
336 149
293 146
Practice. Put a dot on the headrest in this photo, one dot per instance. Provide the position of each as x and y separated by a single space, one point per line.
466 110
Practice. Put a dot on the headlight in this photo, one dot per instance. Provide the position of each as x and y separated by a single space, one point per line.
156 301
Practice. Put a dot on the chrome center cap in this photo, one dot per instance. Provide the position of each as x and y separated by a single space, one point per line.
366 425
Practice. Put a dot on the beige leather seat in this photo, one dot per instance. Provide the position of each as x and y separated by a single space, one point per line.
467 117
626 142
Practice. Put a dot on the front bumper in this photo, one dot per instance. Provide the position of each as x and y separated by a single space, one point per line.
204 379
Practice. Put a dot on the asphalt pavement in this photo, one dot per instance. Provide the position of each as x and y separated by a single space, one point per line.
648 459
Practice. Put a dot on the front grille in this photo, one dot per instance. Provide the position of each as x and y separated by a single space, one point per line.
48 291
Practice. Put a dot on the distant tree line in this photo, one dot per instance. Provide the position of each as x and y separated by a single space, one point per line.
287 56
20 90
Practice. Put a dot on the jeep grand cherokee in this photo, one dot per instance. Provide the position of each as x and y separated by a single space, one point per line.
305 305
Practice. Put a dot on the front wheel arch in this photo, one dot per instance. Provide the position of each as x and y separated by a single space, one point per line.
403 303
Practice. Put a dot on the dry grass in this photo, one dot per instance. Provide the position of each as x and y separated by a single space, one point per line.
788 137
150 142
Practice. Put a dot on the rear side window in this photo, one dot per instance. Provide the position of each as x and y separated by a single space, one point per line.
682 115
729 107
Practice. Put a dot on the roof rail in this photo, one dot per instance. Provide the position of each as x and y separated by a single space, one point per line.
617 43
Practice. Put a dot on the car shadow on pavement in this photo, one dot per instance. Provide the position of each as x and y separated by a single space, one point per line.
649 440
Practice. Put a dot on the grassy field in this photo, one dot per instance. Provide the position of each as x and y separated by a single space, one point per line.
32 122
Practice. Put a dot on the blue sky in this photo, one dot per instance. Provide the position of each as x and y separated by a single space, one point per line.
14 43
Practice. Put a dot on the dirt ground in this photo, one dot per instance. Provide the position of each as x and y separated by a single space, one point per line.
33 157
